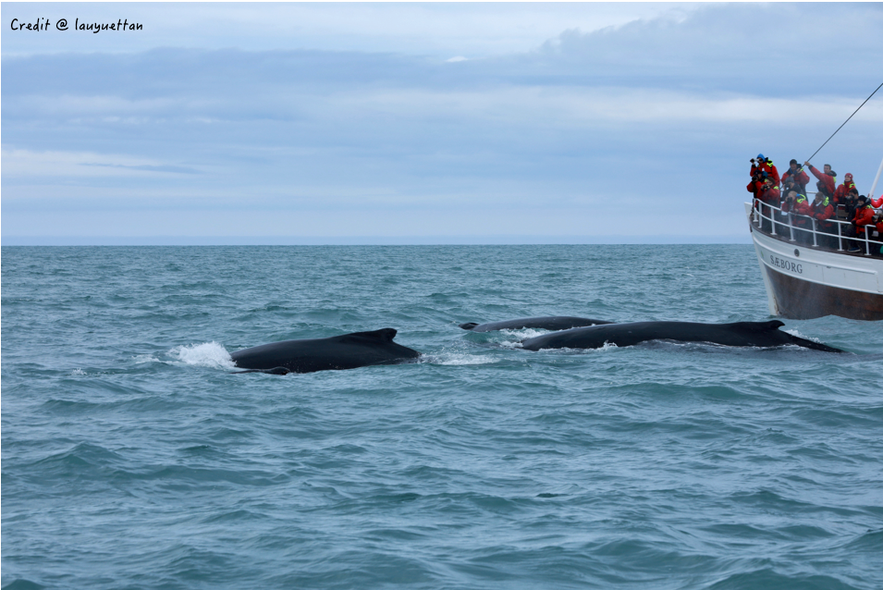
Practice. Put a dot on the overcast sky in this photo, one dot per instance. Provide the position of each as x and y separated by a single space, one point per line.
422 123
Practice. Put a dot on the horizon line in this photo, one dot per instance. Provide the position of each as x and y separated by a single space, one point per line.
512 240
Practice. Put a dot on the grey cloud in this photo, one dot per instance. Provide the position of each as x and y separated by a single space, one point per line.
165 168
590 119
765 49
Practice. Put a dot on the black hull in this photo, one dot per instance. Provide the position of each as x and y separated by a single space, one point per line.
802 300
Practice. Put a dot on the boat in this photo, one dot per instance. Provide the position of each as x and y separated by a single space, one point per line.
809 273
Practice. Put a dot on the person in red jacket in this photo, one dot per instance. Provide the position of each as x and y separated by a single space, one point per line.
766 193
758 176
764 164
864 215
795 178
876 202
769 193
797 203
822 210
843 189
828 179
755 187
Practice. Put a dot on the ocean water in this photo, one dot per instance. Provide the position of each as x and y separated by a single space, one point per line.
132 457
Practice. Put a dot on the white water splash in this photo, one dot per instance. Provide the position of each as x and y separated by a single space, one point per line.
207 354
795 332
525 333
606 347
521 334
146 358
456 358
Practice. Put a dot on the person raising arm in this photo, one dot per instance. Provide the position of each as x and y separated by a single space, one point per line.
828 179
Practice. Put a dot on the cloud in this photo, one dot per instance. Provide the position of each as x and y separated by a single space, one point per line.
562 135
437 29
763 49
22 163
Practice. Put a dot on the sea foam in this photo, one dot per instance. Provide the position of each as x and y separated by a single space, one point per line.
207 354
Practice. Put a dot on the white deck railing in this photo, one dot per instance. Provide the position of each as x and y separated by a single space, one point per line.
778 219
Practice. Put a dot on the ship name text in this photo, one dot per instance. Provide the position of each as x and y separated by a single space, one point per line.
786 264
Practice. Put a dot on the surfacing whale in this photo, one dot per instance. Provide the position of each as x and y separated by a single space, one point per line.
542 323
347 351
758 334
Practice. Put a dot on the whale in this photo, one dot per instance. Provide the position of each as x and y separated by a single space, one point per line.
347 351
542 323
752 334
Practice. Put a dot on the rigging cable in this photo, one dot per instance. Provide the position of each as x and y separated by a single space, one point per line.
844 123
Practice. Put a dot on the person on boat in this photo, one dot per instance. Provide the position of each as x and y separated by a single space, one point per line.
795 178
797 203
755 187
849 204
764 164
863 216
876 202
822 210
758 180
844 189
828 179
767 193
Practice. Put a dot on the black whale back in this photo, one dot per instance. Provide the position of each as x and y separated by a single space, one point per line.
757 334
347 351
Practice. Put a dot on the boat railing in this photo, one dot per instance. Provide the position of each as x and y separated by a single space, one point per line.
772 220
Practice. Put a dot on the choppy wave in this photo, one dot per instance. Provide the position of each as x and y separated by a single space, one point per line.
132 458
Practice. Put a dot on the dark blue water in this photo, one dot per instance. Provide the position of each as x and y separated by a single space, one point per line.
133 458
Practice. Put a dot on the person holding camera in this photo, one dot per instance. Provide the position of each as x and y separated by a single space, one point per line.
766 193
769 192
822 210
763 164
755 187
795 178
849 204
797 205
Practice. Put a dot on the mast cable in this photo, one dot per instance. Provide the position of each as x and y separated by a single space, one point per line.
844 123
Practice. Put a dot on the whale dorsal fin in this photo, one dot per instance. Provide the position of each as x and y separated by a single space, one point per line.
381 335
760 326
